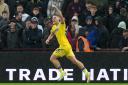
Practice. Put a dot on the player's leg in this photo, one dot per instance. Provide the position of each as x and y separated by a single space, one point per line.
54 59
79 64
76 61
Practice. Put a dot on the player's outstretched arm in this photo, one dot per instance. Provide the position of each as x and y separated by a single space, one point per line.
59 13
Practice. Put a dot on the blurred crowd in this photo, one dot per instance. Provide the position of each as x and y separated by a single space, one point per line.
90 27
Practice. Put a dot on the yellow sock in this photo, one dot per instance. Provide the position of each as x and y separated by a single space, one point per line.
85 71
61 70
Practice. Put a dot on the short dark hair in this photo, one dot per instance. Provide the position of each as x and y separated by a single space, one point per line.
20 5
125 30
36 8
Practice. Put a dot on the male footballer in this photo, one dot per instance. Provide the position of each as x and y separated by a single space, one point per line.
65 49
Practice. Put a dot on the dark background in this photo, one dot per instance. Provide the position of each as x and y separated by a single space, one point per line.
40 60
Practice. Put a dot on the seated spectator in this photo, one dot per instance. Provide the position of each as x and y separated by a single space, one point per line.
32 37
20 9
102 33
4 7
82 44
73 31
124 41
117 34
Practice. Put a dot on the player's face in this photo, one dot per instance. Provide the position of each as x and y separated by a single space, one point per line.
55 19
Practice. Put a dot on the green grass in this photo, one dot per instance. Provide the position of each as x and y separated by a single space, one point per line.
63 84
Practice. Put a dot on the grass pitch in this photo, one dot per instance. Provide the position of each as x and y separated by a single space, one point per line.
63 83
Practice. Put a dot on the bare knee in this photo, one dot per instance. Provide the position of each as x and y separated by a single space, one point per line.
52 58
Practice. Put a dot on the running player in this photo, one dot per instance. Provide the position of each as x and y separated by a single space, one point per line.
65 49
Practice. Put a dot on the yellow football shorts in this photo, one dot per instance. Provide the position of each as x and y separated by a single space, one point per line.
65 51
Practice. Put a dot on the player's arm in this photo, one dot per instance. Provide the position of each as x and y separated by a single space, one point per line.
59 13
52 34
49 38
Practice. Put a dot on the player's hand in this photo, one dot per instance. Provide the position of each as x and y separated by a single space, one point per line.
47 41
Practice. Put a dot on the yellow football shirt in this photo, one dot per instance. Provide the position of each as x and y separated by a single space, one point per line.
61 35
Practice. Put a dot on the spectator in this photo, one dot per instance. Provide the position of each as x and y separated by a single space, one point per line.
74 8
93 11
90 9
121 4
32 37
3 7
91 28
73 31
58 3
27 24
20 9
11 35
36 13
85 12
124 41
83 45
102 33
117 34
4 20
41 4
109 19
18 18
38 26
123 16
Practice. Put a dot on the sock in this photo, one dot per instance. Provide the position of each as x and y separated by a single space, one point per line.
60 69
85 70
